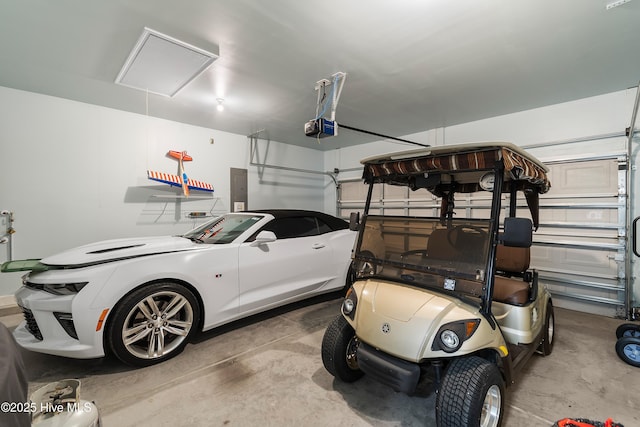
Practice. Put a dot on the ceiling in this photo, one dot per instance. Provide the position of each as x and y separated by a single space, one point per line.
412 65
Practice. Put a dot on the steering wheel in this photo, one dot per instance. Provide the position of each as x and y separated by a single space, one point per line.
459 228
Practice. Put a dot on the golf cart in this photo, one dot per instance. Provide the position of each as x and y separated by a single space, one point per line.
447 301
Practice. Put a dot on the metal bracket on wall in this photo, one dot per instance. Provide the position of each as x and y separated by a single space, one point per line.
7 237
262 165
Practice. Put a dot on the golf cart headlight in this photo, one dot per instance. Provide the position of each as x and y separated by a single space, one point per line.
349 303
451 336
450 339
64 288
347 306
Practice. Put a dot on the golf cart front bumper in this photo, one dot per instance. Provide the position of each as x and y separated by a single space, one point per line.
398 374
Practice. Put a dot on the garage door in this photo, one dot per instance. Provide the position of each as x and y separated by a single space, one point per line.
579 250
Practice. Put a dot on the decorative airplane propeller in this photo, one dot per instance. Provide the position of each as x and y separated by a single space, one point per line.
180 181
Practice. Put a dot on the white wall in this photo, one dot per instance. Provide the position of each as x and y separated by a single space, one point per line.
74 173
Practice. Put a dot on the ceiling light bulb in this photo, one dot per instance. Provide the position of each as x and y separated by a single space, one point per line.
220 107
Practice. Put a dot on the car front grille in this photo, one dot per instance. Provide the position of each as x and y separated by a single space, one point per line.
32 325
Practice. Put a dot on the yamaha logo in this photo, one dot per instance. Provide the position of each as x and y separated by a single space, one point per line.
386 328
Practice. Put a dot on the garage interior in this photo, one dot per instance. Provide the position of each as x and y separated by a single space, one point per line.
558 80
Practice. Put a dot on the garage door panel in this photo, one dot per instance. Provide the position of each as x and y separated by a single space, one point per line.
395 192
574 261
357 191
588 215
590 177
606 235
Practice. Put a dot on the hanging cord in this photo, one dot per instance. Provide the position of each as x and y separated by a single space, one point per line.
340 125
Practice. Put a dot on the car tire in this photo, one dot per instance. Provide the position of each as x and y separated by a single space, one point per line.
471 394
628 349
339 346
548 338
628 330
152 324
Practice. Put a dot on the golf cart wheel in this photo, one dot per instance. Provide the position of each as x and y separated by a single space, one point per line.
628 349
339 346
153 324
628 330
471 394
546 347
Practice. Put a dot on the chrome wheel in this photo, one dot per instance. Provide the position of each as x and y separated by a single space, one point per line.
550 328
339 346
351 358
157 325
491 407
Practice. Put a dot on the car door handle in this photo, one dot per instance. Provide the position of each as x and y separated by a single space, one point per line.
318 245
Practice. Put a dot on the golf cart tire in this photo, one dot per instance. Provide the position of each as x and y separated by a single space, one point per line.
467 384
546 347
337 343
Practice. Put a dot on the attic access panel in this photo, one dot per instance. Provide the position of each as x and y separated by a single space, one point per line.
162 64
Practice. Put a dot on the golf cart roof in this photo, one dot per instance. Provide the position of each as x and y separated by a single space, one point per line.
412 168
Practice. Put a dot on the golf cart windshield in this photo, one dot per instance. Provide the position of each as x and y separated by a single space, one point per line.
450 253
428 252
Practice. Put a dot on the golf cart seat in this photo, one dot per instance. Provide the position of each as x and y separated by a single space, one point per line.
511 286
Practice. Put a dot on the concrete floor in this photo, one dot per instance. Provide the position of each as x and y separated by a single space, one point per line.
267 371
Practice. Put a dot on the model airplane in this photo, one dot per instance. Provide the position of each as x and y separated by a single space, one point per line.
182 180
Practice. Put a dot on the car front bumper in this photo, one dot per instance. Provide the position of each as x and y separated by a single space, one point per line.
42 331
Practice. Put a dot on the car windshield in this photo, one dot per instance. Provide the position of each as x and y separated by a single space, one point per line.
223 229
445 254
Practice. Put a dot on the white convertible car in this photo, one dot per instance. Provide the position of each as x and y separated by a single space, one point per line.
143 299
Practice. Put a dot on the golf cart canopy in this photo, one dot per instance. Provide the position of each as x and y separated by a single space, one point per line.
463 168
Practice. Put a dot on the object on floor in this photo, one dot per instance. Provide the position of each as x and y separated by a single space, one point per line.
628 344
628 330
581 422
59 404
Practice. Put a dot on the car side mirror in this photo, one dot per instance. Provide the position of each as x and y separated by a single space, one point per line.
354 221
518 232
263 237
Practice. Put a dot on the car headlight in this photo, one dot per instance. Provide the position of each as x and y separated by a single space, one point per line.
64 288
349 303
451 336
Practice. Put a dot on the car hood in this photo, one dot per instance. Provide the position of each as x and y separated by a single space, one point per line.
119 249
